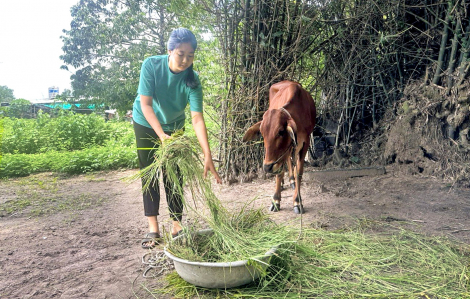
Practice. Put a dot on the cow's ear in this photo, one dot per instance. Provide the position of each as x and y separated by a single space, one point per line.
252 133
292 130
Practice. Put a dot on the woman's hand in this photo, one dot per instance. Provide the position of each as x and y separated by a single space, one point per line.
163 137
209 165
201 133
149 114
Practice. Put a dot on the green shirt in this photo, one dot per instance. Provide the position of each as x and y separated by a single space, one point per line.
169 93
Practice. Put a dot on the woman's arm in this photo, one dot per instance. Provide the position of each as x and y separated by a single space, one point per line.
147 110
201 133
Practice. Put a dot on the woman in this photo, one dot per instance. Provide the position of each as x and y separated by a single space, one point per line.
167 84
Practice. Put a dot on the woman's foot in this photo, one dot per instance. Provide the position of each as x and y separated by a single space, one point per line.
150 240
177 229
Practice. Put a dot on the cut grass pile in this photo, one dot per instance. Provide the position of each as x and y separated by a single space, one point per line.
353 264
314 264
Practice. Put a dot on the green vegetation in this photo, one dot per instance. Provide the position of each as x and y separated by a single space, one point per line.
69 143
67 132
19 108
233 234
6 94
75 162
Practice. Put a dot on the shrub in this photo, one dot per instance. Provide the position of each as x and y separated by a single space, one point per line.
69 143
67 132
92 159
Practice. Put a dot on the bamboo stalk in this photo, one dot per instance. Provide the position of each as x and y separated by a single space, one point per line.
463 69
442 49
453 55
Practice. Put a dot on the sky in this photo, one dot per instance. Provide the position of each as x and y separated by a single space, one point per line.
30 46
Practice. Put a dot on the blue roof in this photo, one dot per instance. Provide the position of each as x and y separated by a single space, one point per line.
69 106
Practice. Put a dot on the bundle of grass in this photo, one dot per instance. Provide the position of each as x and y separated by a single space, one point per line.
179 156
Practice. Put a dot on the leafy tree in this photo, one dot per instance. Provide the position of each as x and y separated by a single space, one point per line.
66 93
65 96
19 108
107 43
6 94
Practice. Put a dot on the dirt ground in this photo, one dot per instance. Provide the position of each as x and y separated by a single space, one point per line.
79 237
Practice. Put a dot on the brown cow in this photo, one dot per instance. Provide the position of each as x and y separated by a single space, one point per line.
286 129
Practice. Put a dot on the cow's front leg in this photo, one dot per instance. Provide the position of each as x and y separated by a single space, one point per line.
276 204
291 173
297 199
298 171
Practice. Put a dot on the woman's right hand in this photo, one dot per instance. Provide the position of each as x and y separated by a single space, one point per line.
149 114
163 137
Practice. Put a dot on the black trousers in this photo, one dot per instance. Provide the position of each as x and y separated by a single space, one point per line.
144 137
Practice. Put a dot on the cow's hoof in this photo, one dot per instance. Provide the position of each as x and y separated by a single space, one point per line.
275 207
299 209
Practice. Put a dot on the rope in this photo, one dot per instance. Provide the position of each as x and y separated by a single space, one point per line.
285 111
158 262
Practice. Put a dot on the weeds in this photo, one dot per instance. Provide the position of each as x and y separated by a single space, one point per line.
41 195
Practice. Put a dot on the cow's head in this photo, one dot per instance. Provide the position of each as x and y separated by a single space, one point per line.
279 133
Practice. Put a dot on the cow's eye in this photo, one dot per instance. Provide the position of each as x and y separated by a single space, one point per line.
281 133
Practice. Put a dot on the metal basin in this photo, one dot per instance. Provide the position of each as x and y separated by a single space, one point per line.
220 275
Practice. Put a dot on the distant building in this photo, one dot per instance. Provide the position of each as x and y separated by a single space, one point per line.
53 92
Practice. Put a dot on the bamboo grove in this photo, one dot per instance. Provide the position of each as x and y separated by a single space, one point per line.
356 57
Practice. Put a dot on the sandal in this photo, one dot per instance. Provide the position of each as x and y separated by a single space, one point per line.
150 240
177 234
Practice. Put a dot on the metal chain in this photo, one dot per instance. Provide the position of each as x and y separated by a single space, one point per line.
158 262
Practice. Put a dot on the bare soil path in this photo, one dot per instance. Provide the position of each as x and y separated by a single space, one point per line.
79 237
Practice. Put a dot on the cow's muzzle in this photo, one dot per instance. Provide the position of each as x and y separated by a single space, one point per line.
269 168
272 169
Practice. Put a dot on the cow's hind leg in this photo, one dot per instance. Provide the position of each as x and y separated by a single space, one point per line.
276 203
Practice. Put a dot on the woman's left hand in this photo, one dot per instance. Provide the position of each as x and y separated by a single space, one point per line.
209 165
201 133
